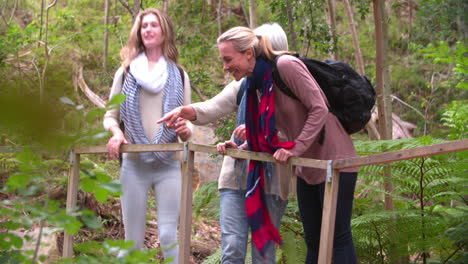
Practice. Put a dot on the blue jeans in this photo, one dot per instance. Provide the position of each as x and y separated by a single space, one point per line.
310 200
235 229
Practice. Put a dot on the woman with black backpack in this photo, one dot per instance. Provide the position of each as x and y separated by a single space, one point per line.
312 131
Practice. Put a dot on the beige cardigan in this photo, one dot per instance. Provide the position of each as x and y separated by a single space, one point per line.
150 105
225 103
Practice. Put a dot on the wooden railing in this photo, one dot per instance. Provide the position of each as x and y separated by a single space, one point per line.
189 149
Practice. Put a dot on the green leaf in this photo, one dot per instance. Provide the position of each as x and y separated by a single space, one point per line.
9 240
101 194
90 220
116 100
10 225
18 180
88 184
71 225
113 187
89 247
101 176
462 85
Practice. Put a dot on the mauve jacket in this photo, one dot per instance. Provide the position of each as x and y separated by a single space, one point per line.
302 121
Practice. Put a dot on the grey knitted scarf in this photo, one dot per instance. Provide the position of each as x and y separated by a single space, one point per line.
131 116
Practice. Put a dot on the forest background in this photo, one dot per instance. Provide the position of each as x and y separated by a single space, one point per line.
57 60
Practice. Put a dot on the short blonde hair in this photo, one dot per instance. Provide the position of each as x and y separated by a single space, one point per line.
135 44
244 38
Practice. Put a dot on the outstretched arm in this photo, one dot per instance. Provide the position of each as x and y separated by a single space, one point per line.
186 112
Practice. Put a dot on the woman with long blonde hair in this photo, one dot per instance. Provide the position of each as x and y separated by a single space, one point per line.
153 84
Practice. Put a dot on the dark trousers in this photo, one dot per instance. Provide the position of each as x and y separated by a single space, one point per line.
310 200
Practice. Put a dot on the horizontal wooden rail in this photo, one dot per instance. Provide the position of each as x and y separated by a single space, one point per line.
235 153
130 148
405 154
331 187
244 154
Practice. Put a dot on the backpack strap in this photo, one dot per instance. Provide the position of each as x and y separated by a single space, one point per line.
279 83
282 86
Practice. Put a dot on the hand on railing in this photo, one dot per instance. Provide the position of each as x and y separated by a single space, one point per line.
282 155
221 147
117 139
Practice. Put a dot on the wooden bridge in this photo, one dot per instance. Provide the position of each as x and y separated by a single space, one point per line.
189 149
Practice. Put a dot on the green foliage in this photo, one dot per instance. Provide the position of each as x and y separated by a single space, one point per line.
429 197
95 180
429 193
455 115
293 249
94 252
436 19
313 31
206 201
215 258
456 118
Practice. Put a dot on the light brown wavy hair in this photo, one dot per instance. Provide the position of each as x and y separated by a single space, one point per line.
135 44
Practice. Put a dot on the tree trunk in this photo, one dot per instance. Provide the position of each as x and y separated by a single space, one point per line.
371 127
292 33
384 103
357 46
383 87
42 21
253 13
106 35
410 22
220 12
332 24
136 8
46 52
383 82
244 12
165 6
13 11
80 82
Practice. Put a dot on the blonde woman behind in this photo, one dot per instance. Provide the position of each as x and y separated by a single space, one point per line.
232 180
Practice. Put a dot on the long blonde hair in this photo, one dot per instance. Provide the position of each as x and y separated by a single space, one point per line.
244 38
135 44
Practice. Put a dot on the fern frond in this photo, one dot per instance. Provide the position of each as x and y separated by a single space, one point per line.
215 258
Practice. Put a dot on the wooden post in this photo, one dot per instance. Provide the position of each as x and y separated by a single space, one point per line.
185 222
328 216
72 193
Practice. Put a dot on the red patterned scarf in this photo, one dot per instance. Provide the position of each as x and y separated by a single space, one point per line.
261 137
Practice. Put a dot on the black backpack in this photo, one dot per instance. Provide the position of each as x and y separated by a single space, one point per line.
351 95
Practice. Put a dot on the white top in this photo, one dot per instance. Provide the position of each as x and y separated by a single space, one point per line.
150 108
